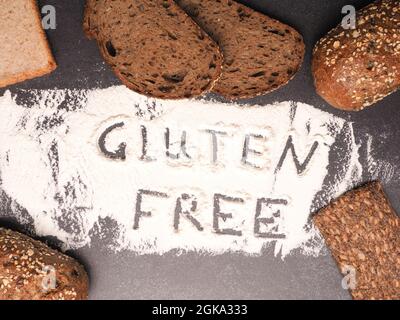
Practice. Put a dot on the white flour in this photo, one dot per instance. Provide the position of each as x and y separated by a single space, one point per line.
379 169
52 164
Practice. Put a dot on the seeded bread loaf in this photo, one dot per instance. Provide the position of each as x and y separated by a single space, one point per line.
363 232
30 270
356 68
260 53
154 47
24 51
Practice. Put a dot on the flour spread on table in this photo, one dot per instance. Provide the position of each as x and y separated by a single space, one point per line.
153 176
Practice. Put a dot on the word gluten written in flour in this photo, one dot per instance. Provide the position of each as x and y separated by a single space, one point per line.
174 149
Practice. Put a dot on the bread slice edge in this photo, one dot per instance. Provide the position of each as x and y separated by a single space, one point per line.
93 36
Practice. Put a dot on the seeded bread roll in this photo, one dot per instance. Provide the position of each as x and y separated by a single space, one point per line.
154 47
260 54
30 270
24 51
356 68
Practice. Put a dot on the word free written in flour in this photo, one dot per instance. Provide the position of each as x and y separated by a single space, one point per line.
208 153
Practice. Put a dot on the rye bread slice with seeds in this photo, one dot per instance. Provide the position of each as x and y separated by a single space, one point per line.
260 54
356 68
24 50
362 231
30 270
154 47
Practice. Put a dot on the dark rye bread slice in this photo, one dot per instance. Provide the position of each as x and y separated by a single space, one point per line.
362 231
30 270
261 54
154 47
356 68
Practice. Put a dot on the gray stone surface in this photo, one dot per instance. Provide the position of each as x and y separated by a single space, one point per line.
232 276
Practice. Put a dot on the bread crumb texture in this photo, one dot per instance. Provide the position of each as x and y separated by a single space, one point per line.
363 232
154 47
355 68
26 265
24 50
261 54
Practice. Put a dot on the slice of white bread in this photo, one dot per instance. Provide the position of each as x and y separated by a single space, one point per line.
24 51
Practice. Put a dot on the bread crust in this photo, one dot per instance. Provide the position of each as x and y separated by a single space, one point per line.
92 30
354 69
51 63
26 264
88 12
362 230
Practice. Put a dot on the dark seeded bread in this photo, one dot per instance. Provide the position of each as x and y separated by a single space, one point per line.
261 54
25 264
154 47
363 232
354 69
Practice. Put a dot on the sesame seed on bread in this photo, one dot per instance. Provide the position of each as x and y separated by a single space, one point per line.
362 231
25 264
355 68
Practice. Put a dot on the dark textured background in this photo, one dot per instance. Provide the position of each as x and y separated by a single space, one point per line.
230 276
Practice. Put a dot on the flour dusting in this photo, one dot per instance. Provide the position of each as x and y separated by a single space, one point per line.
153 176
379 169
